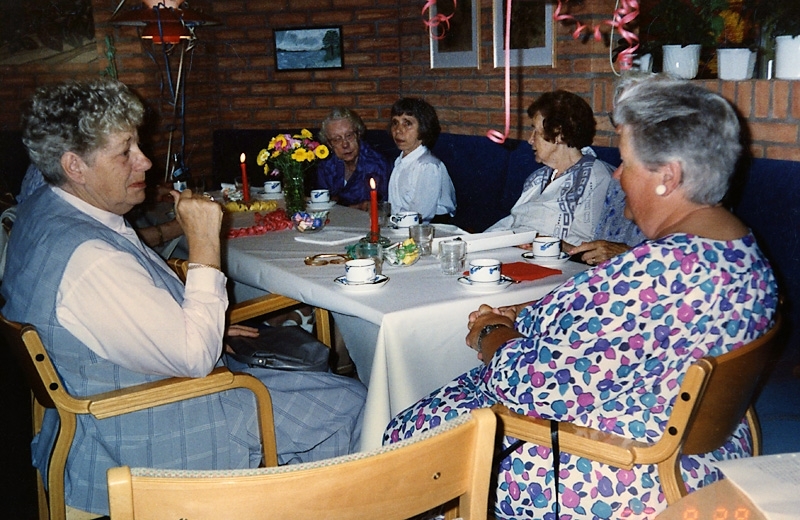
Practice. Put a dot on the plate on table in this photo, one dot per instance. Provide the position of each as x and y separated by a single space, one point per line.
556 260
320 206
377 283
483 287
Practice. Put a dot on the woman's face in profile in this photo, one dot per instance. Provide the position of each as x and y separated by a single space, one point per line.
637 181
405 132
543 149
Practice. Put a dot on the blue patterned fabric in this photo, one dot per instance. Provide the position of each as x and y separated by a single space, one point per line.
613 225
608 350
371 164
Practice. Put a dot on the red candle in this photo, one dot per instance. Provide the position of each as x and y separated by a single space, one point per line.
245 184
374 229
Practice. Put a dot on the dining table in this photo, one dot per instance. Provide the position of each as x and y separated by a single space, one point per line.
406 336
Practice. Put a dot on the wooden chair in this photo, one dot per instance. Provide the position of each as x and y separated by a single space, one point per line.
397 481
715 394
265 305
48 392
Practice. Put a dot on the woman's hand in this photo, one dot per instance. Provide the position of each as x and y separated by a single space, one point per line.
201 220
487 315
598 251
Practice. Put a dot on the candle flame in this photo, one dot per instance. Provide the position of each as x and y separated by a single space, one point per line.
372 183
241 158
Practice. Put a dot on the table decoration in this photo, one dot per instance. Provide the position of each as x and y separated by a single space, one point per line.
245 184
290 156
273 221
402 253
310 222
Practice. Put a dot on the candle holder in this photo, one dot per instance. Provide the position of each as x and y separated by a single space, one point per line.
377 237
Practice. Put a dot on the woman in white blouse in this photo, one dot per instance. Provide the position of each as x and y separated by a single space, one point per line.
564 198
419 181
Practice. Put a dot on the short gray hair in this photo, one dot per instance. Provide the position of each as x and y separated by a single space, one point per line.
337 114
677 120
76 117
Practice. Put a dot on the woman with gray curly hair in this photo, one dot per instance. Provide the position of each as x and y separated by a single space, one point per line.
347 172
112 314
609 347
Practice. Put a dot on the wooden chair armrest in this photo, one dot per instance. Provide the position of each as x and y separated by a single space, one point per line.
156 393
585 442
259 306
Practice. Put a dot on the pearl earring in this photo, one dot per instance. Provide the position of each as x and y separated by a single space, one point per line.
661 190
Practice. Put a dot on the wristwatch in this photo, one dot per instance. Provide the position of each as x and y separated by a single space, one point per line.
485 332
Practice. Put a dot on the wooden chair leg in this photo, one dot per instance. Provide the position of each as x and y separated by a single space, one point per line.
323 325
755 429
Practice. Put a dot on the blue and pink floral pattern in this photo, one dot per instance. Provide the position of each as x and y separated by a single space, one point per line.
608 350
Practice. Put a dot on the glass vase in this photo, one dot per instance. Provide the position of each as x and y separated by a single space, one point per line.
294 191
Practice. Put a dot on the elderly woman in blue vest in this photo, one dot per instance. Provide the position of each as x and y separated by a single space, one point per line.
112 314
347 172
564 198
419 181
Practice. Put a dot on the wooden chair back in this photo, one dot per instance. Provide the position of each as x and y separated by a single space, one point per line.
396 482
729 393
696 425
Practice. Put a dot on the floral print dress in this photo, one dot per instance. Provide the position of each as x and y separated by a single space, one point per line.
608 350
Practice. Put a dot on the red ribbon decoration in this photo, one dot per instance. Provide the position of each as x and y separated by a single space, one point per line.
437 20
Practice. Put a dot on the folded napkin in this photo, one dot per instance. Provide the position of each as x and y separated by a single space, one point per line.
523 271
494 240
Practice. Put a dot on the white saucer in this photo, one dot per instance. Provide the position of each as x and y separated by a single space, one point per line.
377 283
556 260
320 206
485 288
269 196
397 231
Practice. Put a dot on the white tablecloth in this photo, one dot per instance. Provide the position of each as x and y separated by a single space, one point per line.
406 338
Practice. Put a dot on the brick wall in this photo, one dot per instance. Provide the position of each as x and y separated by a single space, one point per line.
233 82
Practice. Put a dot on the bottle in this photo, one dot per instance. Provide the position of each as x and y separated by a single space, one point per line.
180 173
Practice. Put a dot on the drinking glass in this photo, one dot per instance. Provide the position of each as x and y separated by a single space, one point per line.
384 211
452 254
422 235
370 250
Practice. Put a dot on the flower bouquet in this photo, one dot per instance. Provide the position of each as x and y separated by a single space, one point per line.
290 156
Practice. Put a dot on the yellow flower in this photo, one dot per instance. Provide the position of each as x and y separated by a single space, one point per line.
305 133
321 151
299 155
263 155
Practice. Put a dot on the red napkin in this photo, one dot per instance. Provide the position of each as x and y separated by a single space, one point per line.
523 271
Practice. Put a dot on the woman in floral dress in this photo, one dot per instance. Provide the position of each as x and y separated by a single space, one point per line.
608 349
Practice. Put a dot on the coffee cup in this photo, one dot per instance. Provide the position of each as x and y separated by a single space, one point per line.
361 270
370 250
272 187
405 219
484 270
546 247
320 196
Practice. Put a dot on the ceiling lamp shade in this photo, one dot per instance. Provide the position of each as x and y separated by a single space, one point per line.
168 32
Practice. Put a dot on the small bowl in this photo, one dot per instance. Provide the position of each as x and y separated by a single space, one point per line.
310 222
402 254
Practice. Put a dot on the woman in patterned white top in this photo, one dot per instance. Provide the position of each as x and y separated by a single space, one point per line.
609 347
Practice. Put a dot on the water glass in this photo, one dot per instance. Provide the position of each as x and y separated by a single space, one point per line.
384 212
370 250
452 255
422 234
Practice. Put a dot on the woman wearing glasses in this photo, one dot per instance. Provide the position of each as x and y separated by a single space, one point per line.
347 172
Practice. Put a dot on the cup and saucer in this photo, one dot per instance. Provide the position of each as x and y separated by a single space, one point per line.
485 287
545 261
376 283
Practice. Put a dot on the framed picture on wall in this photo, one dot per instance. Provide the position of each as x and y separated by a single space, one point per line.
531 37
308 49
460 38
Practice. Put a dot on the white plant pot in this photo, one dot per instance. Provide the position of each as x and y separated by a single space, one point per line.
681 61
787 57
735 64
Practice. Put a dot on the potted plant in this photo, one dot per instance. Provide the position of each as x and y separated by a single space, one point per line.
679 29
780 35
736 43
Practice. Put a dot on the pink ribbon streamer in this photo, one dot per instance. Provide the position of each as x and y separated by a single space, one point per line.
438 20
494 135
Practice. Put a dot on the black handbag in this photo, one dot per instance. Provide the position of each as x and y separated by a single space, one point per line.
281 348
